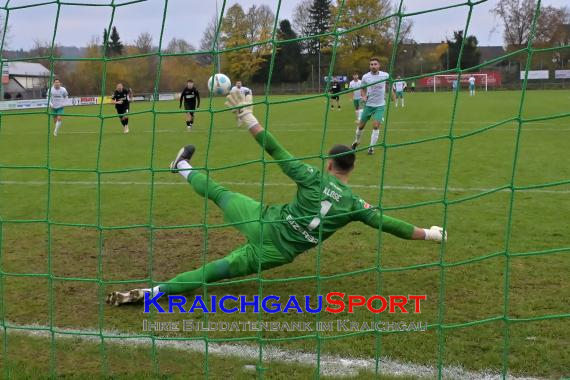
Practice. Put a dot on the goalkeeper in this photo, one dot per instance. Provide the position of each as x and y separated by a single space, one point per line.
324 203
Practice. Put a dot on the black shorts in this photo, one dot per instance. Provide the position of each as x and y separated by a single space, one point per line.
190 107
335 97
122 110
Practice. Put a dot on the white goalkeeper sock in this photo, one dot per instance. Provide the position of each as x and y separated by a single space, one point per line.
374 137
358 134
184 167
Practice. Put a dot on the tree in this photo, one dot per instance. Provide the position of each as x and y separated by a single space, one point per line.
241 63
302 21
208 41
87 74
43 49
357 12
289 65
320 23
179 45
144 43
4 33
471 54
260 21
115 45
517 17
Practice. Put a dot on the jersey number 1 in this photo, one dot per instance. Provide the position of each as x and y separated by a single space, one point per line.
325 208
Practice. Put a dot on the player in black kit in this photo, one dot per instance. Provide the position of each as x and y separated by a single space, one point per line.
335 89
121 100
191 98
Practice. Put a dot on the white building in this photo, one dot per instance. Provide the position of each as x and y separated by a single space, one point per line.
26 80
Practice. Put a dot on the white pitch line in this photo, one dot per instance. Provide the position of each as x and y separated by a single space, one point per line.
330 365
280 184
290 130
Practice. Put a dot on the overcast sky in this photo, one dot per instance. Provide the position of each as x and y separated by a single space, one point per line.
187 19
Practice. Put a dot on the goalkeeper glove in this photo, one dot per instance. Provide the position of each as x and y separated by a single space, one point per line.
435 233
244 114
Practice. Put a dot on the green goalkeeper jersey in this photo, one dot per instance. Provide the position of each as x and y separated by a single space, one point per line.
323 204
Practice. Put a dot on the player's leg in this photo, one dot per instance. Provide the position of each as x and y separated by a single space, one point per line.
377 119
245 260
240 262
338 102
58 112
126 120
364 117
402 98
356 104
239 209
191 118
188 119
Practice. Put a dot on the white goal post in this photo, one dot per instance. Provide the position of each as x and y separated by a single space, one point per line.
446 80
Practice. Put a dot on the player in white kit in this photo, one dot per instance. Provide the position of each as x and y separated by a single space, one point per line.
399 86
374 98
355 84
471 85
241 88
57 96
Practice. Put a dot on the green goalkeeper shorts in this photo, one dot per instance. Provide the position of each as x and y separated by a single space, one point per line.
356 103
375 112
259 252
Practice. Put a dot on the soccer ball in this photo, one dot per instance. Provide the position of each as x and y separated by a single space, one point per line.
221 84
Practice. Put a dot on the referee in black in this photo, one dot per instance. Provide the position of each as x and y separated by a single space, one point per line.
191 98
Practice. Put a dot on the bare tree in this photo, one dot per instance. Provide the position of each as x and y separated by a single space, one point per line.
179 45
517 17
302 18
144 43
5 34
259 21
209 35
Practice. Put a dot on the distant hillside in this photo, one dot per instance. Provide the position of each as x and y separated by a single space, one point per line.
66 51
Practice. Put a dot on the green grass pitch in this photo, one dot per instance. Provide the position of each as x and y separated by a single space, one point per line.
132 191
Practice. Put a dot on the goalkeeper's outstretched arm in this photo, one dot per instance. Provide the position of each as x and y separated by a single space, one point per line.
399 228
290 165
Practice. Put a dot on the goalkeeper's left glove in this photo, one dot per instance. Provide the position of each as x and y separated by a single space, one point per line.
435 233
244 114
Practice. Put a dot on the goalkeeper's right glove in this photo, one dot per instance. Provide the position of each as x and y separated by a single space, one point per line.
435 233
244 114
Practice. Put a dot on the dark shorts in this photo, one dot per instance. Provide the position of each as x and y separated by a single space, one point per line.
190 108
122 111
335 97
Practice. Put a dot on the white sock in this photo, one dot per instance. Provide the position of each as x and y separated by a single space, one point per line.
358 134
184 165
359 114
57 125
155 291
374 137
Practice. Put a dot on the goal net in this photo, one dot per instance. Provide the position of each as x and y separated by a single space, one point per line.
444 82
